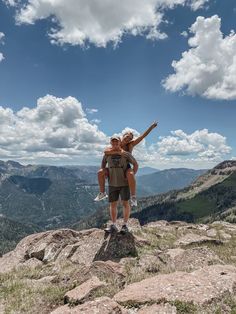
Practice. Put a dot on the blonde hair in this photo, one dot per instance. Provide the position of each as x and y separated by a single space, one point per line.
128 132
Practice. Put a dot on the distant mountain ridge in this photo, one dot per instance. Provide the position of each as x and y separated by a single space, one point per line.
46 196
146 170
210 197
166 180
192 203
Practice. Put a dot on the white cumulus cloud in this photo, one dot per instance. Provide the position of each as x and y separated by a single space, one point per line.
81 22
208 68
201 143
57 131
55 127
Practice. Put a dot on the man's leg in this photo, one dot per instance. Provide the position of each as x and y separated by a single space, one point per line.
125 196
126 211
113 201
113 212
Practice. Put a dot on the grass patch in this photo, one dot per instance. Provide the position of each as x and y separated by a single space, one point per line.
185 307
226 252
21 293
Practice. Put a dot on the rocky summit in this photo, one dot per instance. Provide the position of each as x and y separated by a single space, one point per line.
161 267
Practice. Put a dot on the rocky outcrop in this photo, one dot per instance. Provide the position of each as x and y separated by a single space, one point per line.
162 267
80 247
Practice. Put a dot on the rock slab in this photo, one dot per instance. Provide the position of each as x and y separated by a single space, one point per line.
83 292
103 305
200 287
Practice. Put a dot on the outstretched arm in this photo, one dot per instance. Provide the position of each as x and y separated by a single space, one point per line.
141 137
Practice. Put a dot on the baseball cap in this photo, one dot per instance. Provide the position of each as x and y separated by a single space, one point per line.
115 137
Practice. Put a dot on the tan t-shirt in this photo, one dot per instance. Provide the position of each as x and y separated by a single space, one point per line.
117 166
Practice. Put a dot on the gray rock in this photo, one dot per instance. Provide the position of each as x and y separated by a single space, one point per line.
87 247
192 238
212 233
103 305
200 287
84 291
191 259
108 269
117 246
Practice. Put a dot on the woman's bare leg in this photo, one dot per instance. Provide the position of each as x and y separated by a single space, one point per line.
101 180
131 180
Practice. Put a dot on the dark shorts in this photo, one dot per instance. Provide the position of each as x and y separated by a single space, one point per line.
116 191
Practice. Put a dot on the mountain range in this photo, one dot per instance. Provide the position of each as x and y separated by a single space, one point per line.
212 196
39 197
166 180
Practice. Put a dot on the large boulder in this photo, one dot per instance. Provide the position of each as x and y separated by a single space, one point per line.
49 246
79 247
54 246
117 246
189 259
200 287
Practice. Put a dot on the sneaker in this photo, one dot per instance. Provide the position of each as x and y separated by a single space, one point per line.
111 229
133 201
124 229
100 196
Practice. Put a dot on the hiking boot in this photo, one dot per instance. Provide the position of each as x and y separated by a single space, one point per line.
133 201
111 229
101 196
124 229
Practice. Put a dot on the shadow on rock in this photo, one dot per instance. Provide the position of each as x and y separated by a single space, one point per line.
116 246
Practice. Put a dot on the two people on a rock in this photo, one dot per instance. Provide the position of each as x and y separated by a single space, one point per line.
116 166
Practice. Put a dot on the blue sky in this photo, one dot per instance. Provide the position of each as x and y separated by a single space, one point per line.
125 85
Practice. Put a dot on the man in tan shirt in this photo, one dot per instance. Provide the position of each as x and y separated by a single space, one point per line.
118 184
128 142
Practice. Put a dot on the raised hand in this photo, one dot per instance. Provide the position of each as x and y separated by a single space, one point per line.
154 124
